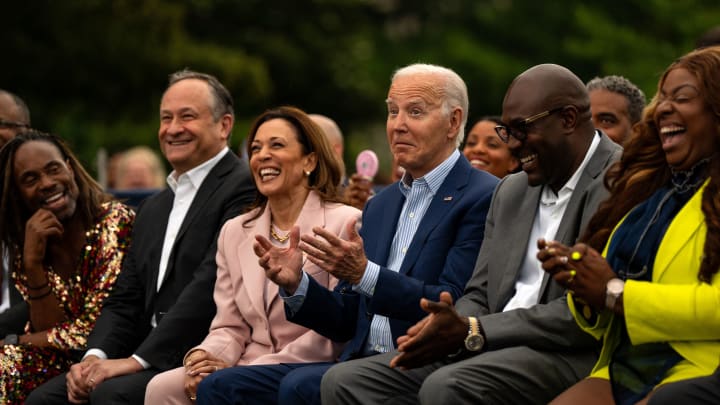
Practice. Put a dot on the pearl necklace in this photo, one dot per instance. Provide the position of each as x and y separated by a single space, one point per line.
277 236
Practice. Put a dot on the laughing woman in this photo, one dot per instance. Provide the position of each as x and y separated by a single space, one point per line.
296 175
653 297
66 240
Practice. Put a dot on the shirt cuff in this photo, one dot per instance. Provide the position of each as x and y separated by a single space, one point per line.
369 280
145 365
294 302
97 353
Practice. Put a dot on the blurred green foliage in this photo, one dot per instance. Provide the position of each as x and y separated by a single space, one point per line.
93 71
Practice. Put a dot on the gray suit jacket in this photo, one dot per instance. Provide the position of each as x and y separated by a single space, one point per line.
548 326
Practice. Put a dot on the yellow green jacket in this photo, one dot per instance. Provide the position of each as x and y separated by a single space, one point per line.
674 308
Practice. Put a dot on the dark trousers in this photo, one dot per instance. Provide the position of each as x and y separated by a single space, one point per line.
123 390
695 391
263 385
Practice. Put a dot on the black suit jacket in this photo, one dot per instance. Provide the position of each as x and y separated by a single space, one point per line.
184 305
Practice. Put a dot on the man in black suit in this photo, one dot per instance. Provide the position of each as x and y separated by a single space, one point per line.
162 304
14 117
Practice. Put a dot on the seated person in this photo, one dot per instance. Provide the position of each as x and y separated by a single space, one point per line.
67 240
652 297
298 180
486 151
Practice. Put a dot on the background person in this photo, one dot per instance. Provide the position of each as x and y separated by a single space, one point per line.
297 177
652 298
140 168
486 151
14 117
67 240
616 105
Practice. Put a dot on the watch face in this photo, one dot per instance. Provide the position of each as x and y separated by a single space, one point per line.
615 286
474 342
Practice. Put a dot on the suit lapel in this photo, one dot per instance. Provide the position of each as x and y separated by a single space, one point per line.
159 213
450 191
572 220
517 242
254 279
391 214
682 229
209 186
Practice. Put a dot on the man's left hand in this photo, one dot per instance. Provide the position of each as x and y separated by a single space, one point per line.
344 259
440 334
101 370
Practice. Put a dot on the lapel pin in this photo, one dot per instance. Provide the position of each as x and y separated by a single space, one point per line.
448 198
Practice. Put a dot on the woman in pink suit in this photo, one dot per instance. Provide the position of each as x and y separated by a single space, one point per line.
297 177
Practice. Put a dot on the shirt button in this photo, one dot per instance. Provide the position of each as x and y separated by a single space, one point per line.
404 250
412 215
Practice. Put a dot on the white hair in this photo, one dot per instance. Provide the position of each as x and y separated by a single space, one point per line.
456 94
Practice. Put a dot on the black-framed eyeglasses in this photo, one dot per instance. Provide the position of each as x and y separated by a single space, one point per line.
12 124
521 126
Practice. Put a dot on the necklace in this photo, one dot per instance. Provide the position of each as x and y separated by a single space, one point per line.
277 236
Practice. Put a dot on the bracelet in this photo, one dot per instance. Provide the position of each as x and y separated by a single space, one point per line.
37 297
29 287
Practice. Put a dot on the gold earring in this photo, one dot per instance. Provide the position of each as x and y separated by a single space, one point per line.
307 173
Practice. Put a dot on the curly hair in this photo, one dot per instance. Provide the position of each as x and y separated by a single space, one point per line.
643 169
325 179
15 215
624 87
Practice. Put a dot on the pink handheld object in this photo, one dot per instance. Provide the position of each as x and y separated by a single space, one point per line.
367 163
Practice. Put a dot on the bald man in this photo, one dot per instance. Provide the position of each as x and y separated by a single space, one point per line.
14 117
333 134
510 339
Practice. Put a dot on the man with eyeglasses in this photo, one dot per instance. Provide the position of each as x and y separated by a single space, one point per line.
510 338
14 117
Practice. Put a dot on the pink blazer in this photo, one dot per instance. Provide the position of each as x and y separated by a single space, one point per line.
250 325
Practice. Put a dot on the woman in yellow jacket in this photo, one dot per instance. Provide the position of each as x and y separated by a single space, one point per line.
653 296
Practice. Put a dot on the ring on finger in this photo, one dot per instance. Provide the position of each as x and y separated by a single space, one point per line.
572 272
563 259
576 255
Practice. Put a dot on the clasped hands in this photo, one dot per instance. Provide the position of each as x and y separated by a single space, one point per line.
198 365
581 269
83 377
344 259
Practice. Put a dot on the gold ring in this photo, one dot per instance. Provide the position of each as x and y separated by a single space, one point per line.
572 276
216 368
193 397
576 255
92 381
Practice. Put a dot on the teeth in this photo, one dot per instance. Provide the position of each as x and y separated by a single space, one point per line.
476 162
671 130
269 172
53 198
527 159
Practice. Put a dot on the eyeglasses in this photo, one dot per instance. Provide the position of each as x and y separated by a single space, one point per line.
521 126
12 124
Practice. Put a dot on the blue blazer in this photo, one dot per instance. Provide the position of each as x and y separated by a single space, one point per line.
441 257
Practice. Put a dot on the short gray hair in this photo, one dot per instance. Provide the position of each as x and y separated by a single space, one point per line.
222 100
456 93
624 87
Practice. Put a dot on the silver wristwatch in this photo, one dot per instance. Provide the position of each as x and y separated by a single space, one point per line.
613 292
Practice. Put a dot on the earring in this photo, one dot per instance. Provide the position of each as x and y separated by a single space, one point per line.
307 173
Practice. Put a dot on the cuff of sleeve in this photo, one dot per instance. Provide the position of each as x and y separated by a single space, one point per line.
97 353
369 280
145 365
295 301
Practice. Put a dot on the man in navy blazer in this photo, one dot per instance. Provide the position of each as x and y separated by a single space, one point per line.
419 237
162 304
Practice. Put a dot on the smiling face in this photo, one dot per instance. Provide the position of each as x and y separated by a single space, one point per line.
278 162
421 135
686 125
486 151
189 135
610 114
45 179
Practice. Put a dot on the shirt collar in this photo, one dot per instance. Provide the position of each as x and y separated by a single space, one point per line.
434 178
548 196
197 174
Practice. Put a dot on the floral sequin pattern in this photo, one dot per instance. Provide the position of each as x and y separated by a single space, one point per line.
24 367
